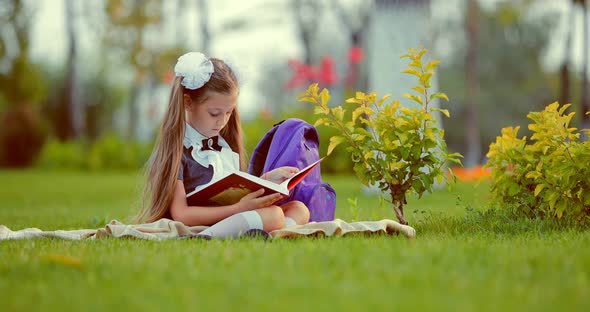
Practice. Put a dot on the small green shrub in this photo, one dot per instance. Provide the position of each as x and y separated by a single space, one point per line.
399 149
112 152
109 152
62 155
254 130
546 176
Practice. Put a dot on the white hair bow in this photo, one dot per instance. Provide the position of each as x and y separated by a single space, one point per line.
195 69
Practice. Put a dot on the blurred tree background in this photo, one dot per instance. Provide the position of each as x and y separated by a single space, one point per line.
496 76
99 105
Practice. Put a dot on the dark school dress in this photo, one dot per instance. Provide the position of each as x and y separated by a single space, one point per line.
191 172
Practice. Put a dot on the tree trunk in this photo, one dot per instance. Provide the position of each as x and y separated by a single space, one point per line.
306 18
472 124
74 109
22 28
137 48
398 205
585 96
398 208
357 74
204 26
564 73
133 111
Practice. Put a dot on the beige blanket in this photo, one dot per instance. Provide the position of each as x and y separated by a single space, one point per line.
168 229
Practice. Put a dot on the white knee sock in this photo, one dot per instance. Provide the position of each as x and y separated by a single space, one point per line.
289 222
234 225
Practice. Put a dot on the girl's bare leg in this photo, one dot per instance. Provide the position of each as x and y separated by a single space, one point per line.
273 218
291 213
296 211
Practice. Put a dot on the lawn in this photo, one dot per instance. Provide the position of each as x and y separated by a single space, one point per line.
462 258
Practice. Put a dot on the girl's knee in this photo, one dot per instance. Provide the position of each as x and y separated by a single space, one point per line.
273 218
298 211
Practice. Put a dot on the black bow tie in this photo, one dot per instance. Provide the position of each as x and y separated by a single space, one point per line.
211 144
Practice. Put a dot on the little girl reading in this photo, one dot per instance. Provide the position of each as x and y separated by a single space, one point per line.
200 140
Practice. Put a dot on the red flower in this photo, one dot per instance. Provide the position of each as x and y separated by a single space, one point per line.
327 75
302 74
356 55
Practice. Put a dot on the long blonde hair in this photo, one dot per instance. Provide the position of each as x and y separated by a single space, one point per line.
164 165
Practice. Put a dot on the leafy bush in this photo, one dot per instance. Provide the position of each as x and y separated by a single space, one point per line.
63 155
398 148
546 176
22 136
254 130
109 152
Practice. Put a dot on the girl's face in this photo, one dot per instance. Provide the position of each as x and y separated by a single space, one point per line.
213 114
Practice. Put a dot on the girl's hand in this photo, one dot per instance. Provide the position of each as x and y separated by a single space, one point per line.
253 201
281 174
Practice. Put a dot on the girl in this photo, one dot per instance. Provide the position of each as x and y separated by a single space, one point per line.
200 140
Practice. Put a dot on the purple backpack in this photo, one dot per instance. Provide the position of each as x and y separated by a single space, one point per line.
294 142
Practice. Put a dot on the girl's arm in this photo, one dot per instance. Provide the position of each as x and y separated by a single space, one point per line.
196 215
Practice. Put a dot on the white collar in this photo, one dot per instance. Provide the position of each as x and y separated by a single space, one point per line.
223 162
192 137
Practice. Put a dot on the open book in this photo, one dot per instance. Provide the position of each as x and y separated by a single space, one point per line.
231 188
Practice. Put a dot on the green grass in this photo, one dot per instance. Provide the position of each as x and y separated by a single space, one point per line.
463 258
